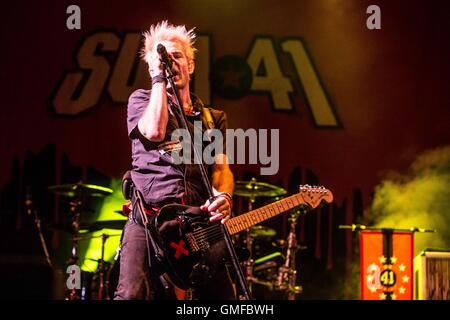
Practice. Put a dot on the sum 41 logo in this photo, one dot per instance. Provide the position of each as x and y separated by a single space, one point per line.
108 63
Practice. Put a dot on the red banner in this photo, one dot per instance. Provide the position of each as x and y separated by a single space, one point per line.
386 265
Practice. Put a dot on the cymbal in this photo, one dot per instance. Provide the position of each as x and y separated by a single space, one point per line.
76 189
257 189
98 260
105 224
268 257
262 232
96 237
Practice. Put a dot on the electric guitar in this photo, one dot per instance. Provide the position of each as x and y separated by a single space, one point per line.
193 248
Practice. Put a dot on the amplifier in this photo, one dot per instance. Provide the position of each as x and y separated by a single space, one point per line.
432 275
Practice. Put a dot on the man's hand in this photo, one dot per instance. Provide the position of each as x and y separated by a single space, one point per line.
155 67
220 208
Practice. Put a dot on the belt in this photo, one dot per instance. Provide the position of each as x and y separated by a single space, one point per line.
136 205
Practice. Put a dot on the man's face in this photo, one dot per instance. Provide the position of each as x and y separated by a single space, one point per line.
181 65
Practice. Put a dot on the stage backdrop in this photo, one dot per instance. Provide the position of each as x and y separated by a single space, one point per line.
351 104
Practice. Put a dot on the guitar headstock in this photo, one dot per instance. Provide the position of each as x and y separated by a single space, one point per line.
313 195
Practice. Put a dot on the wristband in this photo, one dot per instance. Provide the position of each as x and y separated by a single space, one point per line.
159 78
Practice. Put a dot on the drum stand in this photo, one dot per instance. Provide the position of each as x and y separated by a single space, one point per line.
102 267
75 206
248 265
287 273
31 211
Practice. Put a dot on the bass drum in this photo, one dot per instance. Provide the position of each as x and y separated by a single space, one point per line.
112 278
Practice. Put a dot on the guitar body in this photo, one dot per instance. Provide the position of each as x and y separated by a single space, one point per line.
194 248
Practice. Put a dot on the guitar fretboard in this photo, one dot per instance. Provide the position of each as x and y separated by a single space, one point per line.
256 216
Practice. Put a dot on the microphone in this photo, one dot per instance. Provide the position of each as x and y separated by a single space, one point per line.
164 56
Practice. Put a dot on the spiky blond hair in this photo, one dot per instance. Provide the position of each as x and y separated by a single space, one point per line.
165 31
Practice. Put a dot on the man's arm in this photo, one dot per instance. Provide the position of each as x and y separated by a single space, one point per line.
222 177
153 123
222 182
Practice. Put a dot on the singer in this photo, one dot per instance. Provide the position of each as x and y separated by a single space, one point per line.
152 116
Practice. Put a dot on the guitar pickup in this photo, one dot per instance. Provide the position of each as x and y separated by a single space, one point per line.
192 242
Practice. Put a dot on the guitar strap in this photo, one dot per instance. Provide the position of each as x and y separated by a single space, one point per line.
146 221
208 120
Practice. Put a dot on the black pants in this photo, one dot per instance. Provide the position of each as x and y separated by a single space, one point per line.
137 282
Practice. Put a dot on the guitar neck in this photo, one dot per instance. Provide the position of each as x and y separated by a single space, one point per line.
251 218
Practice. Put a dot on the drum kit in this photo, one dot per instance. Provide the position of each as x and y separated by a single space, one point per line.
268 263
275 271
95 285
